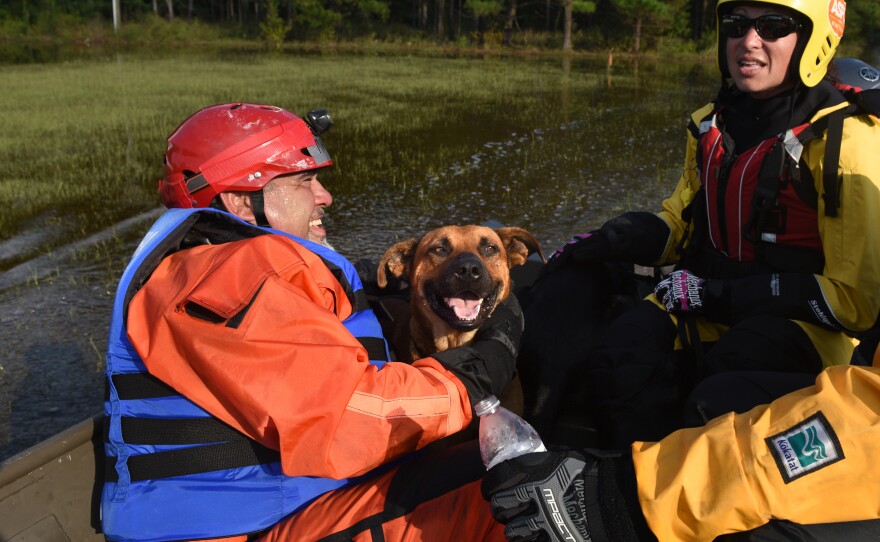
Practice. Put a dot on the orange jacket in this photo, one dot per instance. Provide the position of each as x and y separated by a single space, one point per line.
290 375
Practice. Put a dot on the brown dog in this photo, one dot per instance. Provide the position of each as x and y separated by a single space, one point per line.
457 276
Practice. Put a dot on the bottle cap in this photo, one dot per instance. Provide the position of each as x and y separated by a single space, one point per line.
487 405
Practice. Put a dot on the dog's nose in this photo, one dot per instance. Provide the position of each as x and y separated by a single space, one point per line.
469 271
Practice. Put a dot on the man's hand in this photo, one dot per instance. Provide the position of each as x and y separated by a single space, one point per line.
540 496
567 496
367 272
487 366
682 291
584 247
505 325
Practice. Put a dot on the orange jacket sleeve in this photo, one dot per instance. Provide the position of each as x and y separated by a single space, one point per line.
288 374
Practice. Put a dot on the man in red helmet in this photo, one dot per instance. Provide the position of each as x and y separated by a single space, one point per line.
249 390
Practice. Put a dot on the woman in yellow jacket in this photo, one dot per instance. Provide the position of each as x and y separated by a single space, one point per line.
800 467
769 229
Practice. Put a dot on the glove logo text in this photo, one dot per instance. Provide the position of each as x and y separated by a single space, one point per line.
805 448
556 515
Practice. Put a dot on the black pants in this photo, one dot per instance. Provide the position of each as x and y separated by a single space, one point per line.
638 384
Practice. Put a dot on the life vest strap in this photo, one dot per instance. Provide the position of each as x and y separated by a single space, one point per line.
832 158
375 346
158 432
194 460
766 192
140 386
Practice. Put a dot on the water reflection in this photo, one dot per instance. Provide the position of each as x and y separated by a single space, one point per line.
557 158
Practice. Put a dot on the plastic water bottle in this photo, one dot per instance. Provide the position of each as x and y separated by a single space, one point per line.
503 434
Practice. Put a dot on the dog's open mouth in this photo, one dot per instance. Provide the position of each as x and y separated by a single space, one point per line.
466 307
465 310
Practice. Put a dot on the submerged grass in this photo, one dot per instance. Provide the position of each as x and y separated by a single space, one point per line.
82 140
85 139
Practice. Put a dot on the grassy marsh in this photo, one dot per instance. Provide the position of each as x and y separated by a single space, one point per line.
82 140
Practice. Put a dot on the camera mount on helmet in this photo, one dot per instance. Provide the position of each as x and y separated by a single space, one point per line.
319 121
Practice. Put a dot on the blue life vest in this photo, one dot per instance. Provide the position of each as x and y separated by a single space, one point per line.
174 472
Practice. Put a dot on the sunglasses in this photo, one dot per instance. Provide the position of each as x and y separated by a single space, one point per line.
769 27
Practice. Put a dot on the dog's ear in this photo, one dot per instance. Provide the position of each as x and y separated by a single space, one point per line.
396 261
519 243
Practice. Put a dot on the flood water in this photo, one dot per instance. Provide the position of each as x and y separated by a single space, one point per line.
588 157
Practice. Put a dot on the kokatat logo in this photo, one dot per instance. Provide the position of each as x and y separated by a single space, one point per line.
805 448
808 446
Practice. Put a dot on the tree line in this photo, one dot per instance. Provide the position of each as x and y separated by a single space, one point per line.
628 24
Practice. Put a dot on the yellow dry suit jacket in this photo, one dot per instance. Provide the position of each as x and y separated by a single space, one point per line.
850 281
808 457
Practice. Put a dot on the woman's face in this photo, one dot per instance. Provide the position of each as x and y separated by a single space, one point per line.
759 66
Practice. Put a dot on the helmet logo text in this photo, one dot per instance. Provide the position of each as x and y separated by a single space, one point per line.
837 16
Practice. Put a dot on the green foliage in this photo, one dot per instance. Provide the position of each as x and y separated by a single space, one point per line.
374 8
312 15
599 26
331 19
677 46
156 29
862 22
274 28
12 27
484 8
644 8
583 6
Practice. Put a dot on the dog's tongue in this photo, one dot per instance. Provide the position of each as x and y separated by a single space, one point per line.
465 308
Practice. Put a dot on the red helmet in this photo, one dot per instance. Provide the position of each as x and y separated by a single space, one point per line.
237 147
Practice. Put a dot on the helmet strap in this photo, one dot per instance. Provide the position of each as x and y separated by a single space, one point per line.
258 208
794 65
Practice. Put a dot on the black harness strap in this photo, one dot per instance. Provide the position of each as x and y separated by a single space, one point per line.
140 386
216 445
830 179
195 460
158 432
358 298
375 347
766 191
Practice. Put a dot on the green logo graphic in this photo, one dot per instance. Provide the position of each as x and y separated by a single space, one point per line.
808 446
805 448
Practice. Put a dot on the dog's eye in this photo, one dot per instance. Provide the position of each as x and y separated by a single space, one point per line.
490 249
439 250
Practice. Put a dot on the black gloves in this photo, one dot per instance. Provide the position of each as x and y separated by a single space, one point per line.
487 366
635 237
562 496
796 296
681 291
583 247
367 271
